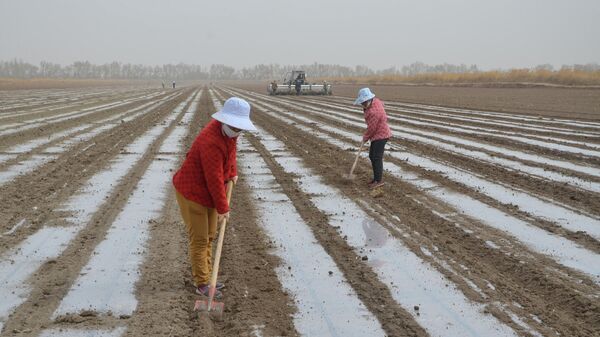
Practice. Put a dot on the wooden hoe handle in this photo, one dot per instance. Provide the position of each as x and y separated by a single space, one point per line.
357 156
215 272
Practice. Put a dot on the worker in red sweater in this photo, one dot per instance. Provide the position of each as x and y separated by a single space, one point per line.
200 184
378 132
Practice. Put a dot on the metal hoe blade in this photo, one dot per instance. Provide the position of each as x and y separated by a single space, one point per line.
349 176
214 309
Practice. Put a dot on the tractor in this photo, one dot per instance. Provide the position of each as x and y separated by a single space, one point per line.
294 83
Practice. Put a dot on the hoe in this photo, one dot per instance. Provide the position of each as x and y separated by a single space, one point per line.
350 176
210 305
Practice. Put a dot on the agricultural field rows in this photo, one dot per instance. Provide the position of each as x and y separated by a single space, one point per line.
488 224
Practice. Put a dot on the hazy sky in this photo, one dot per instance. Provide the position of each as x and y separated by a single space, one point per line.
376 33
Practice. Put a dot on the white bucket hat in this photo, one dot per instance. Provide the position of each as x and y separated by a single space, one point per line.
364 95
236 113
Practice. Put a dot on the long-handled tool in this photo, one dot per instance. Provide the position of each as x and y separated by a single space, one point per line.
351 175
210 305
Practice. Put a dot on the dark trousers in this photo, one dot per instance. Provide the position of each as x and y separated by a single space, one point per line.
376 156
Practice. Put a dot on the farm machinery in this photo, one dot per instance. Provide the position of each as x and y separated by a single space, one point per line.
295 83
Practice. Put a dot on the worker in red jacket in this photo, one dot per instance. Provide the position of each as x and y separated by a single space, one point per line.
378 132
200 184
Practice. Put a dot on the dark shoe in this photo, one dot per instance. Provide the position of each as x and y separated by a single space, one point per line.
203 290
220 285
376 184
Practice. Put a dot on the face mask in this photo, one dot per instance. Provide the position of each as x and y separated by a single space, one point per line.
230 133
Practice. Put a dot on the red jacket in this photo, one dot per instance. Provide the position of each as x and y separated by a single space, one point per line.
209 164
377 126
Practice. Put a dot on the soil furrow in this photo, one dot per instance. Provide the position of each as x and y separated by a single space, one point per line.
466 137
58 274
484 212
526 283
485 125
578 236
374 294
48 111
53 126
35 196
253 296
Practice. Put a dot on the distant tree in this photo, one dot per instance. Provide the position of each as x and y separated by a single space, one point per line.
546 67
181 71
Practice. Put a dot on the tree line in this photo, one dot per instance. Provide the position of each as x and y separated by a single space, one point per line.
116 70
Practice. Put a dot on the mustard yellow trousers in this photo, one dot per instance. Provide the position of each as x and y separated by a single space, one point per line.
201 225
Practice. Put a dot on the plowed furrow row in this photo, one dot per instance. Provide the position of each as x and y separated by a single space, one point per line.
67 245
455 244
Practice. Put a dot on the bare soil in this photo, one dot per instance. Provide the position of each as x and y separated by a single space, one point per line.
549 102
51 83
523 277
549 297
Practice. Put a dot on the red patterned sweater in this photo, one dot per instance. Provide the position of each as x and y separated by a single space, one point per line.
208 165
377 126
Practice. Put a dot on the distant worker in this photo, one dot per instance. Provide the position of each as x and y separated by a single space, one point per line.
273 87
325 87
173 84
378 132
298 84
163 84
200 185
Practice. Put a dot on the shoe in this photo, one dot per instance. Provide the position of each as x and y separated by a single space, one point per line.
376 184
203 290
219 286
370 183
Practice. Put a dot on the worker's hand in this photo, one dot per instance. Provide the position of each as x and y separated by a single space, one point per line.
234 179
222 217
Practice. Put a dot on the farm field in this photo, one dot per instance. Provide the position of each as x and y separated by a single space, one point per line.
488 224
53 83
536 101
